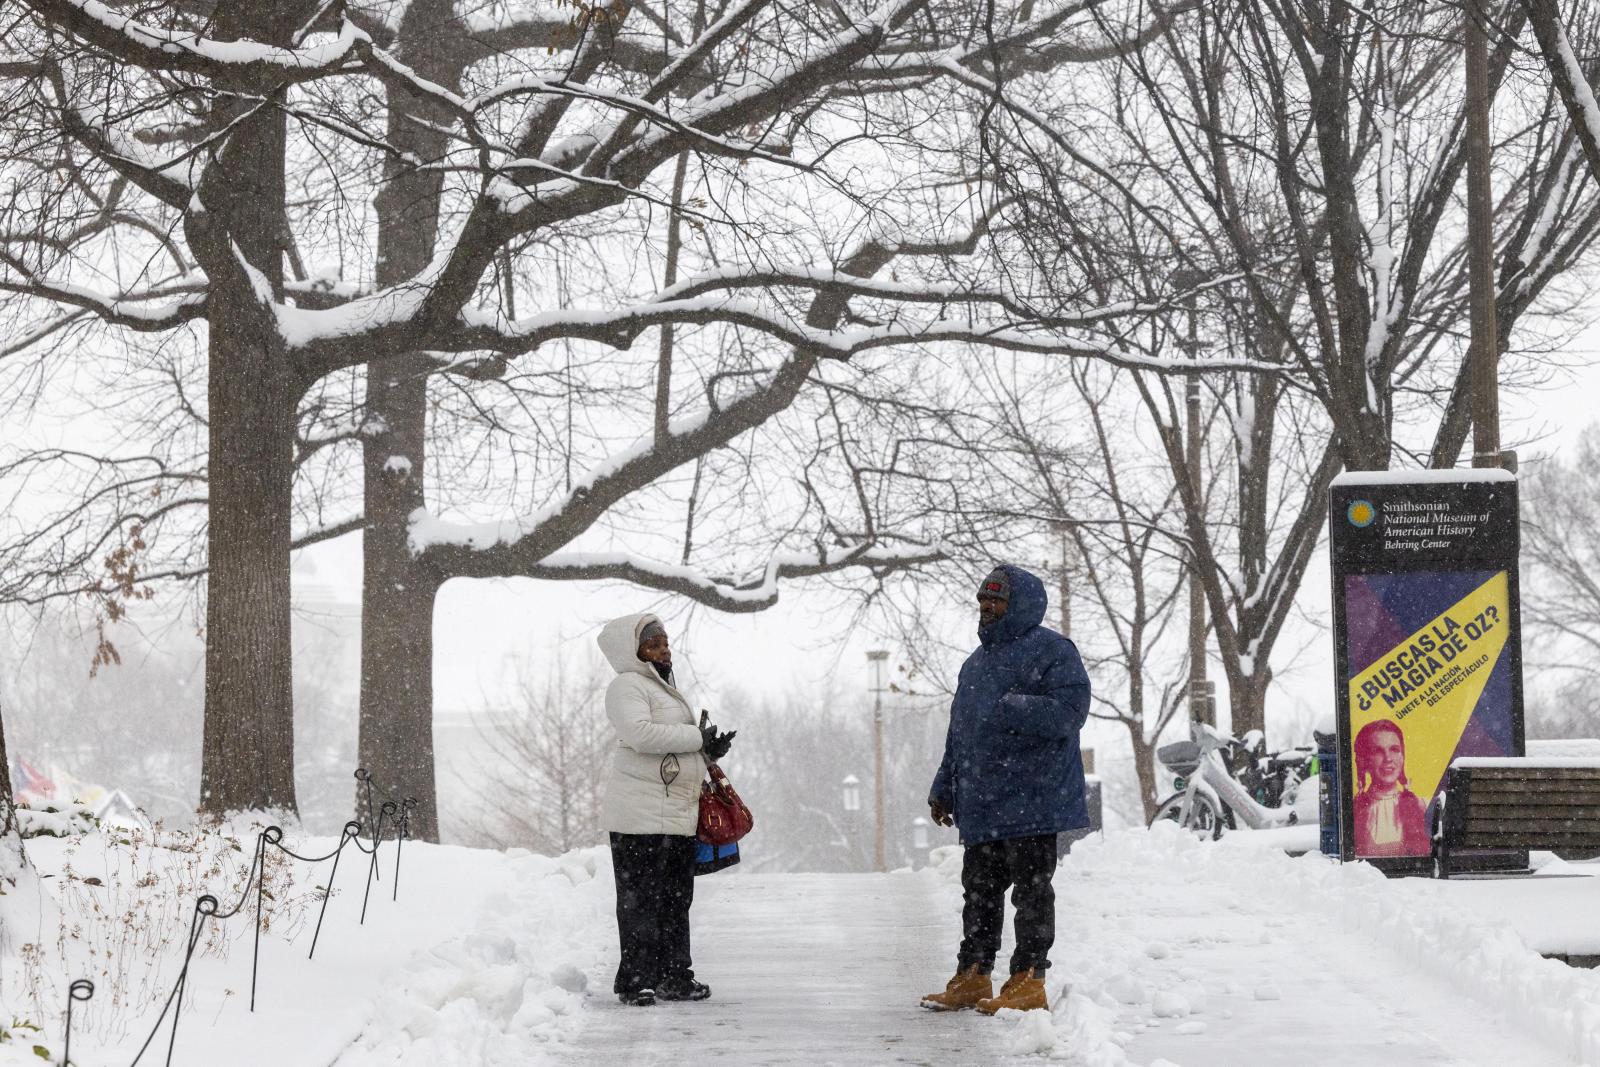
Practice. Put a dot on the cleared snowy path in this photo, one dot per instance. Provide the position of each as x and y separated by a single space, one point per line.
1167 954
806 969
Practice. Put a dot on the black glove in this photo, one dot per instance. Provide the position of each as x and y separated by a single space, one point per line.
714 743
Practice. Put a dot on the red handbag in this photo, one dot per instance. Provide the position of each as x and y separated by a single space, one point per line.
724 818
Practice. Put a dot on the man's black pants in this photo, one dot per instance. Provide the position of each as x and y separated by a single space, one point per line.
655 886
987 870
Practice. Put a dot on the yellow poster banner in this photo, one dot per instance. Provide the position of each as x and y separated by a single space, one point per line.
1424 691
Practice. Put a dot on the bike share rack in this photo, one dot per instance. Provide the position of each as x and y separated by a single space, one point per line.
206 909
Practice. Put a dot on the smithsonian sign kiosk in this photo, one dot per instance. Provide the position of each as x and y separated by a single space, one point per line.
1427 646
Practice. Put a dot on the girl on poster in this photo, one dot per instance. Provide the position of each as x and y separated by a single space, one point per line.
1390 819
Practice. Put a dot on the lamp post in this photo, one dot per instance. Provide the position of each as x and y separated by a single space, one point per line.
1200 704
919 838
850 798
877 657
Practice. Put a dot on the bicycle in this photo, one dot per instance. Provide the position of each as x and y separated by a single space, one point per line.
1211 797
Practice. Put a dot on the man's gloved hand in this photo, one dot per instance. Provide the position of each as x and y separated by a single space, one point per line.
941 814
714 743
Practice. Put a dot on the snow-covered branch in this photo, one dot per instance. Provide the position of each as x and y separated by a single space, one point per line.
923 292
158 49
725 593
514 547
133 310
172 187
347 335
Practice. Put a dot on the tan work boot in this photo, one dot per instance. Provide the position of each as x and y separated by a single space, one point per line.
1023 991
965 990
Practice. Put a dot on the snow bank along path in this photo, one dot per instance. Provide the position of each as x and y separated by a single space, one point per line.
471 958
1169 952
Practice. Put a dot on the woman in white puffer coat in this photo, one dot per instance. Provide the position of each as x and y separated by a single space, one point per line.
651 809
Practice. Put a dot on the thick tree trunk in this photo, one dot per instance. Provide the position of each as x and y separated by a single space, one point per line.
1247 698
397 600
247 753
1370 448
248 749
398 593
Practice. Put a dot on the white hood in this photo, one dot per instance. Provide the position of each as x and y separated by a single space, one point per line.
619 640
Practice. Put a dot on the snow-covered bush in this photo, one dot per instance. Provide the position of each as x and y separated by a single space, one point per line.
116 908
55 820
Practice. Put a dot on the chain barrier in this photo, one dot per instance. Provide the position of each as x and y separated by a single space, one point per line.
397 815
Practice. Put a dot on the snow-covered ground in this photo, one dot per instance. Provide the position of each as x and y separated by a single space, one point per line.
1174 952
477 949
1169 951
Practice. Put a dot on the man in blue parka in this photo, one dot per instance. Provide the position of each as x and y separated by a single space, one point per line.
1010 781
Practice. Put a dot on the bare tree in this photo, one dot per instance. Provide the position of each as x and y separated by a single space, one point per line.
1295 170
174 138
1563 42
1561 547
1078 480
1132 579
1561 589
542 785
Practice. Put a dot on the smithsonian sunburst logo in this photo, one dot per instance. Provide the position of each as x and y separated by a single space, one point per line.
1361 513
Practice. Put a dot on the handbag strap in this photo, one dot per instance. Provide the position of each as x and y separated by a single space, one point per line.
717 783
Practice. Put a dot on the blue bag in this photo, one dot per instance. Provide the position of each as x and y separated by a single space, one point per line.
709 859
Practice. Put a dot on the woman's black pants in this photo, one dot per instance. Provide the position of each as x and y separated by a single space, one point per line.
655 886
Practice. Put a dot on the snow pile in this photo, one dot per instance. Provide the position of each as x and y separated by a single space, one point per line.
514 983
1163 940
481 950
52 820
10 870
114 907
1485 960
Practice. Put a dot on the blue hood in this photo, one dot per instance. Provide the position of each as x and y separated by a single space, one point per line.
1024 611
